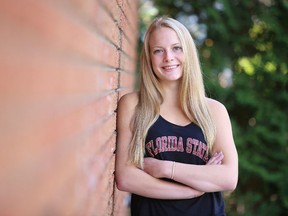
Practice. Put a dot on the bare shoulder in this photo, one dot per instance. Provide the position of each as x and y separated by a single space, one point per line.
128 101
216 108
125 114
127 106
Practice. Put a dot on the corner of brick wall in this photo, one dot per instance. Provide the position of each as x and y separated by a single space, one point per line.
63 66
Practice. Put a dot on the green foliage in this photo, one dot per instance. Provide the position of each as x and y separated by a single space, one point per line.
249 38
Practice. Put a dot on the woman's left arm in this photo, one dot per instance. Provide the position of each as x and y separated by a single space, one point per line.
210 177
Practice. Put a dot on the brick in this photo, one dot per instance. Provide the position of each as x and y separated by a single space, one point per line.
113 8
106 23
64 65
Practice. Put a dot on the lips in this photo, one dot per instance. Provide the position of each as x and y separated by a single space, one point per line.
170 67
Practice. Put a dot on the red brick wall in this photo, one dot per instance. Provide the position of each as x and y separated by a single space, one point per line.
63 66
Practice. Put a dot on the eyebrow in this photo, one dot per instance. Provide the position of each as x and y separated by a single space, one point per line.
157 46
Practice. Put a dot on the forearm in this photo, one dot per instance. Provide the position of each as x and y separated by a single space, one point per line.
219 173
134 180
206 178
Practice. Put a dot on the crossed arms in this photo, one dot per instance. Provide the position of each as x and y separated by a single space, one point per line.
219 174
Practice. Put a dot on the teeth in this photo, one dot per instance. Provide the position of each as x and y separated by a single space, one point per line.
170 67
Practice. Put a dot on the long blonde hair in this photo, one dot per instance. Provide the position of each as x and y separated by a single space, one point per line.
192 92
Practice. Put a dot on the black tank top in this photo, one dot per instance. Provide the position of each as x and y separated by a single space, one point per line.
184 144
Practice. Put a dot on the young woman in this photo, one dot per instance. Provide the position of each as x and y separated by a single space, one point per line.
171 138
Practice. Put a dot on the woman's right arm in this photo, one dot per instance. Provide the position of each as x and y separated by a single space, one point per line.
131 179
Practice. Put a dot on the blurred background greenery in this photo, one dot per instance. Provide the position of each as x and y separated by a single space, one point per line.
243 48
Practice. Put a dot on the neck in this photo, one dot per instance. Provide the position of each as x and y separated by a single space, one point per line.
171 93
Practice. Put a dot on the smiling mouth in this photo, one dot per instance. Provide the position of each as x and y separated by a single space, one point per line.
170 67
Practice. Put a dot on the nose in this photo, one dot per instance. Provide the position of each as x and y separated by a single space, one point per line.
168 56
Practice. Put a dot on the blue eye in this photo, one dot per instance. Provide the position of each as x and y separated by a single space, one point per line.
157 51
177 48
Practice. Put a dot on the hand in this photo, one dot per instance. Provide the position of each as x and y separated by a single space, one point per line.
216 159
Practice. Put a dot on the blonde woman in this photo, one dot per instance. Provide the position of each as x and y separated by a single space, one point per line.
171 138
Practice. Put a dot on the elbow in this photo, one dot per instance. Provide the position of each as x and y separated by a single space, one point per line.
231 185
121 183
125 178
231 180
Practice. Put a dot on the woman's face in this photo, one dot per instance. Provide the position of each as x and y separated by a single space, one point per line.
166 54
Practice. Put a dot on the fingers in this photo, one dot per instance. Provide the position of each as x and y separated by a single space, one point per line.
216 159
